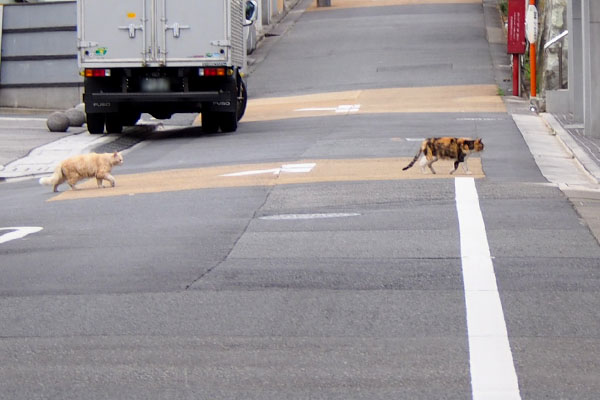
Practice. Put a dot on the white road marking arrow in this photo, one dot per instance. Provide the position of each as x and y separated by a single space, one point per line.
343 108
291 168
18 232
347 108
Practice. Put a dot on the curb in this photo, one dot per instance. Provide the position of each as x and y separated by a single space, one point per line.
43 112
578 154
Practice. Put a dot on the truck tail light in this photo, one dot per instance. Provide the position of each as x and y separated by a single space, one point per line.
219 71
96 73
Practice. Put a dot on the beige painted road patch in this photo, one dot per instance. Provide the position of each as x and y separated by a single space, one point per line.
457 99
431 99
337 4
347 170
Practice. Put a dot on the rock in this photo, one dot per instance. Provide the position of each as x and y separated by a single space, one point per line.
58 122
76 117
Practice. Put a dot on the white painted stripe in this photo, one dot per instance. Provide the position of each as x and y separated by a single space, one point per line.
493 374
273 171
480 119
343 108
297 168
348 108
316 109
18 232
287 217
289 168
22 119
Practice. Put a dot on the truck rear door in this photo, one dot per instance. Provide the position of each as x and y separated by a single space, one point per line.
193 31
113 31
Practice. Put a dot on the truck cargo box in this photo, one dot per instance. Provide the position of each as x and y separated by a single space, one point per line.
162 57
137 33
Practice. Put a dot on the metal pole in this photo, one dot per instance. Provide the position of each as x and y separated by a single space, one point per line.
516 81
560 66
532 63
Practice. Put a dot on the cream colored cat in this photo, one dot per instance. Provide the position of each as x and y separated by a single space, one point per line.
79 167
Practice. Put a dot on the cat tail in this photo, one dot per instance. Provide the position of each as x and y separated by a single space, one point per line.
414 159
54 178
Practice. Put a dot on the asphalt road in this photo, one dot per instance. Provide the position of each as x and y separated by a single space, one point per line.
294 259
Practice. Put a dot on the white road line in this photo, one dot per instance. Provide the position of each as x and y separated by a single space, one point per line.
290 168
343 108
18 232
18 119
480 119
288 217
493 374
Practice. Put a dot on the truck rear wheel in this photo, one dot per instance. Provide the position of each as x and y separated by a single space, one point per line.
95 123
228 121
210 122
242 100
114 124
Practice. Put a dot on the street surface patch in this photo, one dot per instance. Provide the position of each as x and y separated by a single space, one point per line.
345 170
446 99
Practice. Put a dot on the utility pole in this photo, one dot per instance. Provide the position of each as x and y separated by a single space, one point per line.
531 22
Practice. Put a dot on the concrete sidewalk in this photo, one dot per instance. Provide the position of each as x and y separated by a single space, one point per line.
562 153
29 149
585 198
562 161
21 132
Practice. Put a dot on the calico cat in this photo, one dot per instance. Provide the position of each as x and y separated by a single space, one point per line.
79 167
454 148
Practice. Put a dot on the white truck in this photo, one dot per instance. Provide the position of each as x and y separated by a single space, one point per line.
163 57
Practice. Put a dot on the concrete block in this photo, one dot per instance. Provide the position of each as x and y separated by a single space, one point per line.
58 122
75 116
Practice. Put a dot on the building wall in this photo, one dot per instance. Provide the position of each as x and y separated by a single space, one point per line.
38 59
590 11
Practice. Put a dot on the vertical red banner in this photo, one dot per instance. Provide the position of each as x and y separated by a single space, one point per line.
516 38
516 27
